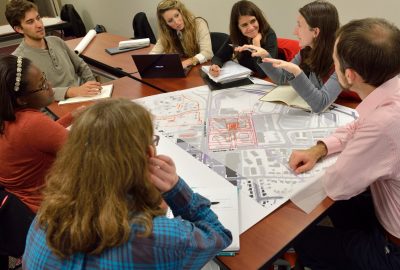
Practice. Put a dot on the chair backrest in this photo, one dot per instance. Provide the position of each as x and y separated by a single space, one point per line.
141 28
218 41
287 48
16 219
76 26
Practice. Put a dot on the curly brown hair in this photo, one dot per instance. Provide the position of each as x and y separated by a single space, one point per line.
100 182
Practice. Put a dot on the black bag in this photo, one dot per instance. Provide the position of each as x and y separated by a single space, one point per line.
76 27
100 28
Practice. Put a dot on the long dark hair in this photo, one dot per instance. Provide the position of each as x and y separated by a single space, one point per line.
318 59
246 8
8 95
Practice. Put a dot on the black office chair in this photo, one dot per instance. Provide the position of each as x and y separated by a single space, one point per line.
75 26
218 41
16 218
141 28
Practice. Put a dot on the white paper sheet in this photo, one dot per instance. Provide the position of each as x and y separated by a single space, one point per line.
85 41
105 93
209 184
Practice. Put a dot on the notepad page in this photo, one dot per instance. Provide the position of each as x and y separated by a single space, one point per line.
229 72
106 92
286 94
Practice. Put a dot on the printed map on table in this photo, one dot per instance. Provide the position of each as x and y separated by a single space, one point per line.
245 140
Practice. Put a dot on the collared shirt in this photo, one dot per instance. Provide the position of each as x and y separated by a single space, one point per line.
370 155
186 242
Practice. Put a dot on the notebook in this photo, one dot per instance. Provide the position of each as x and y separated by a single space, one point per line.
287 95
230 71
160 66
106 91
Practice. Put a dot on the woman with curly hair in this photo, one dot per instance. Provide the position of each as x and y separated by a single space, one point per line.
183 33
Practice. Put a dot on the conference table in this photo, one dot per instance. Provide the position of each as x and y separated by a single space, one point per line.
121 64
267 240
95 54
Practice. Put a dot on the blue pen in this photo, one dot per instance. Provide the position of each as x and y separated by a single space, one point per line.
226 253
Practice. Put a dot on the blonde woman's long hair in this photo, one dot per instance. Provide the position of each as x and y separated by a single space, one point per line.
168 36
99 184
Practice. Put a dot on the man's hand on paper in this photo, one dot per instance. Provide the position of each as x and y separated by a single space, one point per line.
304 160
215 70
288 66
90 88
163 172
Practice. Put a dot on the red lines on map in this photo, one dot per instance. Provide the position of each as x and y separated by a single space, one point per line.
231 132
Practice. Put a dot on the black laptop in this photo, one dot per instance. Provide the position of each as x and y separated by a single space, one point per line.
160 65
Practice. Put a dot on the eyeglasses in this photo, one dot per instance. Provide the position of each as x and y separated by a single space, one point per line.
156 140
43 87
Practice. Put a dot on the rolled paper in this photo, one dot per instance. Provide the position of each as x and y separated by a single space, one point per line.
85 41
143 42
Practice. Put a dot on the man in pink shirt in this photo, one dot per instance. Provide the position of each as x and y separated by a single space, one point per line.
366 177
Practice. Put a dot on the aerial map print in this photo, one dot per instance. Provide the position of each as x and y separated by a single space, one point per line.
245 140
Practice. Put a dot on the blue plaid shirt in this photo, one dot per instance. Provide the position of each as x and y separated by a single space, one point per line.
186 242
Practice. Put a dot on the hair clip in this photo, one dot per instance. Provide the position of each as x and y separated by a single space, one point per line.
19 74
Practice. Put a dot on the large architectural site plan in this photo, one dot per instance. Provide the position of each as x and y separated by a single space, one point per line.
246 141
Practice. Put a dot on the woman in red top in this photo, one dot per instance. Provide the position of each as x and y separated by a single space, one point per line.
29 140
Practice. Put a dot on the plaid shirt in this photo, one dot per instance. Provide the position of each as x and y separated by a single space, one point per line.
186 242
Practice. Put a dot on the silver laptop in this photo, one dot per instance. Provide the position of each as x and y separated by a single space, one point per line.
160 66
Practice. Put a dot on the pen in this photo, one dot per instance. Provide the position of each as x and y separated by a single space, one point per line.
226 253
247 49
214 203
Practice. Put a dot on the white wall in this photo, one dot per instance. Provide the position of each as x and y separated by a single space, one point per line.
116 15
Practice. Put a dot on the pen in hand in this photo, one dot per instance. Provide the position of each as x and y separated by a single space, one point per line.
246 49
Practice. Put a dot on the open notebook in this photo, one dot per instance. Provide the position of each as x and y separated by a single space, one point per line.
106 91
230 71
287 95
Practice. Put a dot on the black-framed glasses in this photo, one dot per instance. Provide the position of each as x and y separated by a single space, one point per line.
43 87
156 140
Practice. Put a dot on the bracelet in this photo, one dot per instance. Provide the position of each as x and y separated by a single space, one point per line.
195 61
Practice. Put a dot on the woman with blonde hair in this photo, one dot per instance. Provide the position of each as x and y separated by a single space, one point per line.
101 206
311 72
183 33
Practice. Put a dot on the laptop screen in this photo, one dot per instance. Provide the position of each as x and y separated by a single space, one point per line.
159 65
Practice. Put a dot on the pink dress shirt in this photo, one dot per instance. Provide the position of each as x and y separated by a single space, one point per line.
370 155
